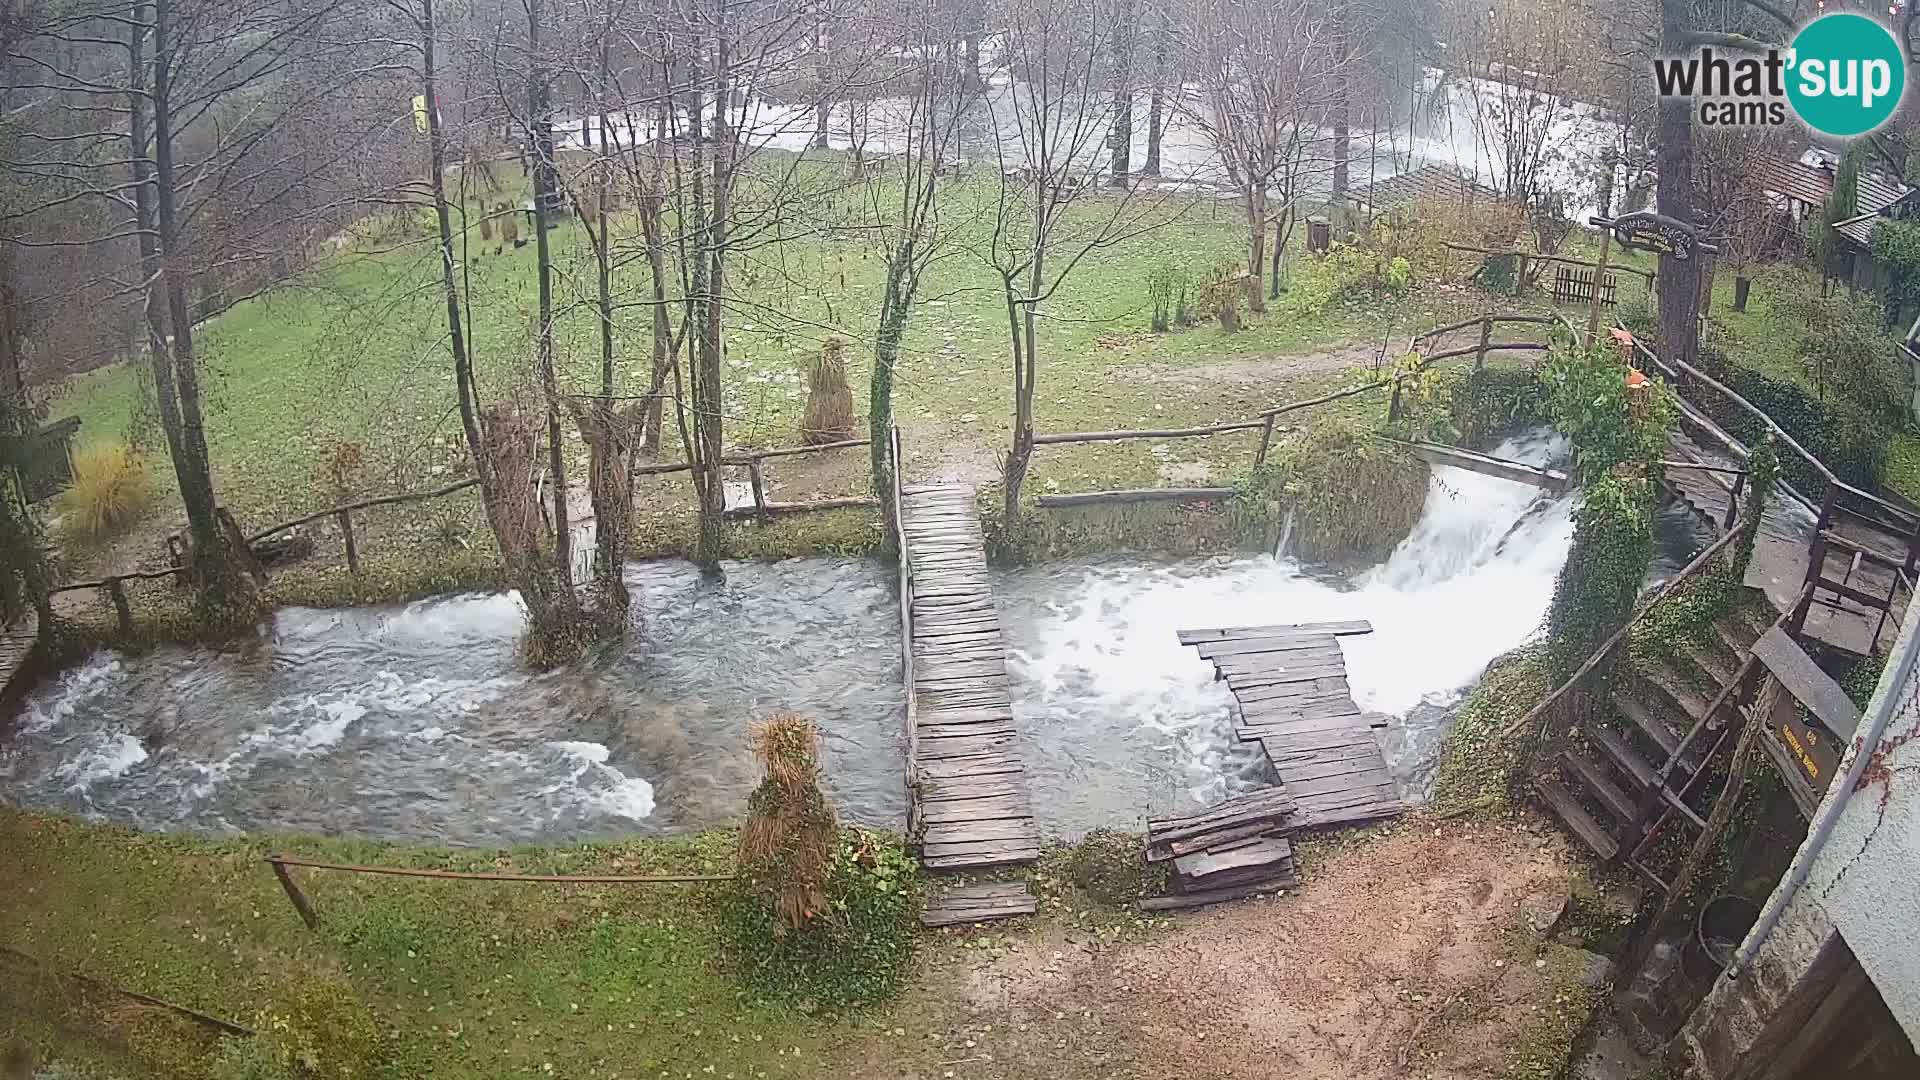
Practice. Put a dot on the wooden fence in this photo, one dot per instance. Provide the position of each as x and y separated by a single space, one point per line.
113 586
1265 421
282 864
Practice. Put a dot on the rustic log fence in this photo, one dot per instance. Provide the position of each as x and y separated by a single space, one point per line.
112 587
283 864
1265 421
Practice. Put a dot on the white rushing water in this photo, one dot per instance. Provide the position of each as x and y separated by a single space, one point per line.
1117 717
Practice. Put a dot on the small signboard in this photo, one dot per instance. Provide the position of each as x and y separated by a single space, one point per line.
1648 231
1811 749
44 458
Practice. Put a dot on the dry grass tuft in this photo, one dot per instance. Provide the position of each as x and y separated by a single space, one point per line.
829 415
788 841
110 490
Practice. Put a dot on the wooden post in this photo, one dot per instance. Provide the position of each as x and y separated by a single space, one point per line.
344 519
1486 337
1393 406
1733 502
122 612
1266 443
759 487
1913 548
1599 276
294 894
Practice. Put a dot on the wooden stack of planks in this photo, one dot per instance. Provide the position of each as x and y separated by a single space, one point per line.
1230 850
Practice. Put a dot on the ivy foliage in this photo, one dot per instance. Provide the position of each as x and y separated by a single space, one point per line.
1896 247
1351 495
855 953
1588 400
1492 403
1612 543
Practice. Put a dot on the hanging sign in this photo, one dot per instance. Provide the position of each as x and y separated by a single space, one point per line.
1648 231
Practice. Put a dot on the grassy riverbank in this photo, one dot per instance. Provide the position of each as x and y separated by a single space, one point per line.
480 980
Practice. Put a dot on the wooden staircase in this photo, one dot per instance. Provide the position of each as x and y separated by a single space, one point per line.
1639 764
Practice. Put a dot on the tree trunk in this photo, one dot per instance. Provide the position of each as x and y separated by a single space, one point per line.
1256 204
544 190
652 204
609 438
1340 117
1120 134
1156 103
1679 280
710 227
224 582
456 336
820 105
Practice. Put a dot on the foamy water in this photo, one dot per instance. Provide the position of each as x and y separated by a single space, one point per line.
1119 720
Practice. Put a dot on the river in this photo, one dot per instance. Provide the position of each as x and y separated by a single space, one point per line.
416 721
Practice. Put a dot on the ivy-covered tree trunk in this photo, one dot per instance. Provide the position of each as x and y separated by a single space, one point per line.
1612 545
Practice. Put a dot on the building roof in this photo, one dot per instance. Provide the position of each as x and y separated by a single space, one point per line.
1426 182
1811 184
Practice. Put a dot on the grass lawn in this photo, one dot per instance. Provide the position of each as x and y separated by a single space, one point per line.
354 355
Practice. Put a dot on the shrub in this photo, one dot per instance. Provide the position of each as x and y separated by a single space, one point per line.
1847 352
1589 402
1851 443
1351 495
1166 285
110 490
1221 293
856 952
317 1029
1492 403
829 413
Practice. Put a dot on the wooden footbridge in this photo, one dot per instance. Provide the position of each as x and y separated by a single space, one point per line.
969 788
1291 685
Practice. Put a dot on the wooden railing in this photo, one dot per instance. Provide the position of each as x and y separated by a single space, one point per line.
896 460
1838 499
113 586
1265 420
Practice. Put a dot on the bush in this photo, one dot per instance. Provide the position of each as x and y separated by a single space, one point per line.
1492 403
1167 292
1847 352
1852 443
110 490
1588 400
856 952
1351 495
320 1031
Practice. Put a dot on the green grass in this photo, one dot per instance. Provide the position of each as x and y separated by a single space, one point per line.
355 353
477 979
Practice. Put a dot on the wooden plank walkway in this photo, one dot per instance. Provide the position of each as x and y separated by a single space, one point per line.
970 806
1291 684
979 903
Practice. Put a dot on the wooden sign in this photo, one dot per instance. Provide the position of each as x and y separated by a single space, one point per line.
1810 748
1648 231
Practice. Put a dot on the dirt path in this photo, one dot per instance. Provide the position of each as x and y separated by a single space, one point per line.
1408 955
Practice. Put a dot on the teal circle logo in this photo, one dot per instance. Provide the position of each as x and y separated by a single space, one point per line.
1845 74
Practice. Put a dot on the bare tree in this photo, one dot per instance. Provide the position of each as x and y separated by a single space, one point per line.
1045 220
1263 74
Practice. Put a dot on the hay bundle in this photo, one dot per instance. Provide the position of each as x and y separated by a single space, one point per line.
788 841
829 415
510 446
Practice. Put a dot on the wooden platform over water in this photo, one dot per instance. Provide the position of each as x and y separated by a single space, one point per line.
1291 684
970 806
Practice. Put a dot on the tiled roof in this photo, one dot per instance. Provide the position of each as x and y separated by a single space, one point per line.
1427 182
1811 184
